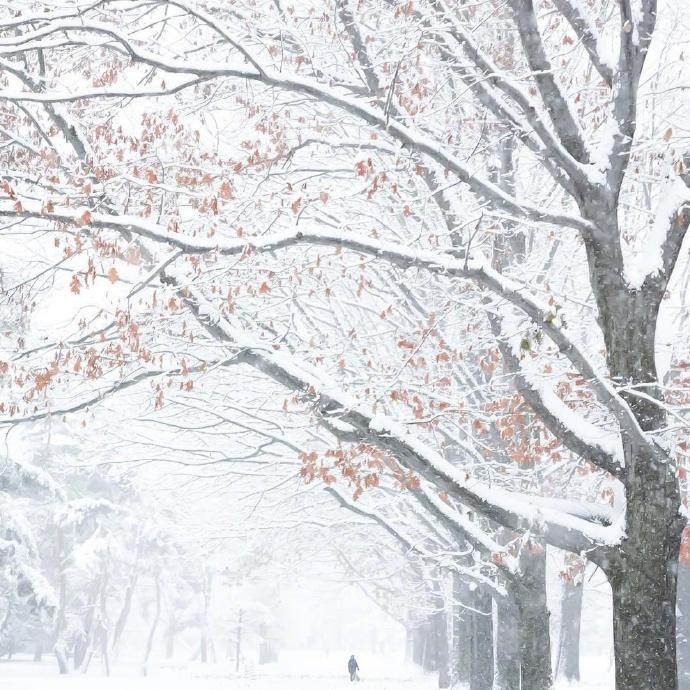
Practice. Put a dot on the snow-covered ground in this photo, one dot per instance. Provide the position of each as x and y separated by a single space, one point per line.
296 671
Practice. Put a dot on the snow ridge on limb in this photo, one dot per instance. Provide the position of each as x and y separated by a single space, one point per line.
475 268
562 117
658 256
511 510
602 448
408 544
415 141
587 33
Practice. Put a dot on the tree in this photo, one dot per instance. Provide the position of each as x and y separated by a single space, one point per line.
576 120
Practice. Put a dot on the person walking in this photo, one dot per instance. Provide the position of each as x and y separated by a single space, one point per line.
353 667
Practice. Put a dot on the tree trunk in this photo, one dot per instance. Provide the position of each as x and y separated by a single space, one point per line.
59 647
507 647
462 632
482 650
643 583
533 629
170 643
428 647
154 624
683 626
418 644
83 646
568 659
238 643
441 646
409 642
124 612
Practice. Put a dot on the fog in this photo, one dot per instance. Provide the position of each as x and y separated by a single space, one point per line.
344 341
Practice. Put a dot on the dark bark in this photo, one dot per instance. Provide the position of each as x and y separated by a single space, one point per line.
642 571
643 581
507 647
534 637
683 626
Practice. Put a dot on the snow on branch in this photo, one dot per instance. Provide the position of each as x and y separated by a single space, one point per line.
404 135
657 257
475 268
410 546
587 33
514 511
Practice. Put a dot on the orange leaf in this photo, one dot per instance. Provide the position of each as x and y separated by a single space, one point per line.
264 289
113 277
84 218
75 284
226 191
296 205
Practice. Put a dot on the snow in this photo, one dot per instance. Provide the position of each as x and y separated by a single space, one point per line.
648 259
602 152
295 671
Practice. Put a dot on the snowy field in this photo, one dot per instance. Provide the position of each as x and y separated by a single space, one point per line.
293 672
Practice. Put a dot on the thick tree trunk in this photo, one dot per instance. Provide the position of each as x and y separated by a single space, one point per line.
643 582
507 647
533 629
643 576
482 650
568 659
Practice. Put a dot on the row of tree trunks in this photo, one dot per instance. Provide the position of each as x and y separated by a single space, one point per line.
514 655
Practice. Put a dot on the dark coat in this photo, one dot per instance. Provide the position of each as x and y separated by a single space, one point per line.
352 665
